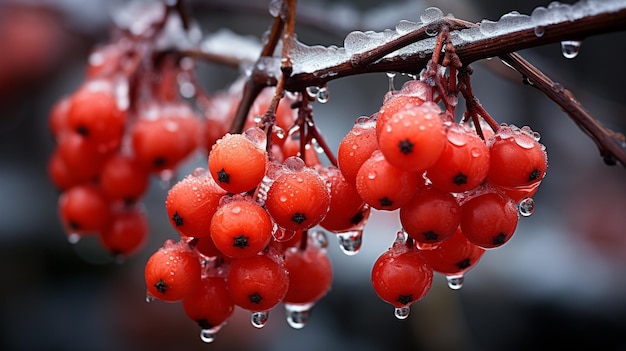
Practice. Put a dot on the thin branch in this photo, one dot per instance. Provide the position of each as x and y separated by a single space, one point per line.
612 145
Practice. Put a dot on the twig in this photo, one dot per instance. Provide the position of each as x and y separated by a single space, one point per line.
612 145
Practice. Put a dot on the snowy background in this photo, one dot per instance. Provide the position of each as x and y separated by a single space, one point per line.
560 282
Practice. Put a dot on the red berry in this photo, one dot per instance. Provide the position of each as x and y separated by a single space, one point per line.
356 147
517 159
383 186
237 164
489 220
241 228
432 216
401 276
298 199
191 203
347 210
257 283
463 164
122 178
84 209
172 272
413 138
391 106
209 304
454 256
310 274
126 233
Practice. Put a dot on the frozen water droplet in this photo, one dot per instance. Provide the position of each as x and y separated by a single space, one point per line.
570 48
282 235
312 91
208 335
401 237
322 95
455 282
165 178
259 319
236 210
539 31
320 238
274 7
73 238
431 14
456 138
297 314
432 30
526 207
257 136
402 312
283 198
405 26
371 175
350 241
150 298
198 172
390 76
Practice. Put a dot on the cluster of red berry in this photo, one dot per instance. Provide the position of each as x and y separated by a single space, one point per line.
457 193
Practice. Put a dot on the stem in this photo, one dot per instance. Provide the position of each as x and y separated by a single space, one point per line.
612 145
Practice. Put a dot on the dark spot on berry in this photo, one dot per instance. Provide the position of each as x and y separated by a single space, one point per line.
82 130
460 179
161 286
223 176
255 298
534 175
159 162
178 220
298 217
357 218
241 241
73 225
430 235
204 324
499 239
406 146
385 201
404 299
463 263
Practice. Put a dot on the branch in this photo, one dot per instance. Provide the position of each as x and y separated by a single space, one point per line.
612 145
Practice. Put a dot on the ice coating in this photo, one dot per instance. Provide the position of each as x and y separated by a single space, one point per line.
226 43
308 59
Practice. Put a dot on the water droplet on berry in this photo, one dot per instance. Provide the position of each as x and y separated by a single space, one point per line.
402 312
235 210
257 136
526 207
208 335
198 172
475 152
350 241
570 48
73 238
150 298
457 138
431 14
297 314
282 235
259 319
371 175
165 178
455 282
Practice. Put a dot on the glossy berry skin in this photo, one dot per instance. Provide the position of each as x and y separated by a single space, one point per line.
60 173
432 216
463 164
84 209
191 203
347 210
414 137
94 113
489 220
126 233
454 256
356 147
209 304
257 283
401 276
517 159
383 186
172 272
393 105
121 178
310 274
241 228
298 199
237 164
82 158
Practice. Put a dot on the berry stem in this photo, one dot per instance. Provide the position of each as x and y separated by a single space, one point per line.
473 106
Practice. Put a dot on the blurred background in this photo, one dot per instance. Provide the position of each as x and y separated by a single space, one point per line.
560 281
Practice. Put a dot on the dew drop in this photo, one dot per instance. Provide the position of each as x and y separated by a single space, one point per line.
431 14
391 76
539 31
526 207
198 172
475 152
371 175
150 298
312 91
322 95
259 319
73 238
402 312
208 335
283 198
297 314
350 241
570 48
455 282
236 210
